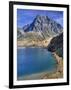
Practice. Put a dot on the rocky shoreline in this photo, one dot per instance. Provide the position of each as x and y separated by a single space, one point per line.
59 71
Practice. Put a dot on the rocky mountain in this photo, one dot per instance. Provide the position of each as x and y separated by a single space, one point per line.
41 28
56 45
44 25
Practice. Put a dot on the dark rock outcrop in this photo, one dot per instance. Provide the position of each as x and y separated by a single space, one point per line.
56 45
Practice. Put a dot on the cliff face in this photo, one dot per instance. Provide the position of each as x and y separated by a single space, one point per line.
56 45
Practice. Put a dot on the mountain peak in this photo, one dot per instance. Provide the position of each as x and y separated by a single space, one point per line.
44 25
41 18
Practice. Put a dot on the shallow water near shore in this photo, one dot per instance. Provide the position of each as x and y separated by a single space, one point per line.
34 60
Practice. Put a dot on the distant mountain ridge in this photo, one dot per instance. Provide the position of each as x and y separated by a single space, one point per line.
42 26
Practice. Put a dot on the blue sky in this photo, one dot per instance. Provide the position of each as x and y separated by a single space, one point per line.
25 16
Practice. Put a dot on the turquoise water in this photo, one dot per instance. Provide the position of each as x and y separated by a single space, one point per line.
34 60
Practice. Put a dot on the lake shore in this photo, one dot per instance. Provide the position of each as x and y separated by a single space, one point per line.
34 76
58 73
